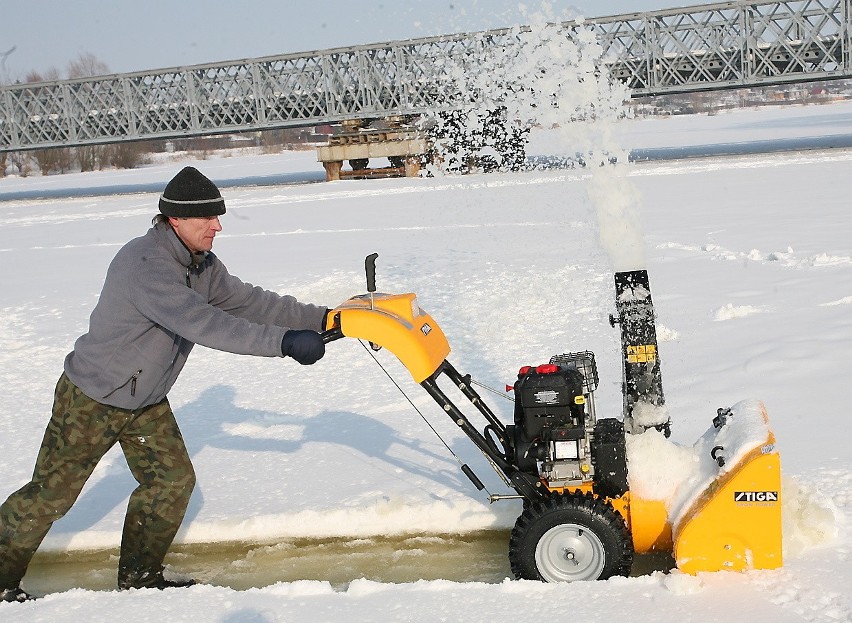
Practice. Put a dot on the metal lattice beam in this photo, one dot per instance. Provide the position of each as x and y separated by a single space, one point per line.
727 45
717 46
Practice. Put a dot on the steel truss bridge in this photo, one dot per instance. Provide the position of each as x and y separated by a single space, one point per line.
714 46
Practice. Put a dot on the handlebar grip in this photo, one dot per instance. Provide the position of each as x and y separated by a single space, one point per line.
331 335
370 266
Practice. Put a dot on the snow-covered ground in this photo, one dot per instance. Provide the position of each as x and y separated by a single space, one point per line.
750 263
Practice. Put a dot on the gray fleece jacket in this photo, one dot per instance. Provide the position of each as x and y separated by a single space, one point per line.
157 302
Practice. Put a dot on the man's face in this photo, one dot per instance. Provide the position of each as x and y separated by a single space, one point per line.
197 233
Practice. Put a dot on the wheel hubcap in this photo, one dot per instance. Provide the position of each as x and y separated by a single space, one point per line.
568 553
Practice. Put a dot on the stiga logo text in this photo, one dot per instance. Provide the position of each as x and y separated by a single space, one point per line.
755 496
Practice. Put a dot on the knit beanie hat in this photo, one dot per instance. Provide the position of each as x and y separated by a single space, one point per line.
190 194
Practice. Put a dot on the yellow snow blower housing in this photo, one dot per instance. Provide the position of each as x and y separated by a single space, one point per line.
733 520
581 520
726 514
395 322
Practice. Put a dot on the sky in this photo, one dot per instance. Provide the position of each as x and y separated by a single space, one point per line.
137 36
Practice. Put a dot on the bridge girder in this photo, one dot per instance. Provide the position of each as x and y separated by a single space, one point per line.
717 46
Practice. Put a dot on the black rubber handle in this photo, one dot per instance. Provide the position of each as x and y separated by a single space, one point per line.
473 478
370 266
331 335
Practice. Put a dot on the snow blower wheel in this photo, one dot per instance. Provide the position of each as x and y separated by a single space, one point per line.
566 538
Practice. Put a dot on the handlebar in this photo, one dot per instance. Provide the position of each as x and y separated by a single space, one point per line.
331 335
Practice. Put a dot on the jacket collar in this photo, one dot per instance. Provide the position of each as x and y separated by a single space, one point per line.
175 246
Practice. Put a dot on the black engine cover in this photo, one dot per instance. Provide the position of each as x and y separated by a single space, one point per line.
546 407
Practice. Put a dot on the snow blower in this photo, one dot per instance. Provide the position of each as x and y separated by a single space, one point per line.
580 519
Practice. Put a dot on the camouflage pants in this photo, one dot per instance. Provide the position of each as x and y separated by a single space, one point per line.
79 433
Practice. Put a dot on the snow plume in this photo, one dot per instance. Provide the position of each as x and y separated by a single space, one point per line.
545 75
616 202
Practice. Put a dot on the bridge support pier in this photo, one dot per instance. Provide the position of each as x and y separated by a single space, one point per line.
332 170
412 166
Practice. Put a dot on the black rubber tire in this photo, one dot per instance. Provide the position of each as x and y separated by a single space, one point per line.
571 537
359 164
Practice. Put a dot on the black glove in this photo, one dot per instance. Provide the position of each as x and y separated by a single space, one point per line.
305 346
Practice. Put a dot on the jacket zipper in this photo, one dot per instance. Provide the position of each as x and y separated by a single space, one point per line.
133 382
188 282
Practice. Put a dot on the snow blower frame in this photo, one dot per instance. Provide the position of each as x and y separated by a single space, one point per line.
580 520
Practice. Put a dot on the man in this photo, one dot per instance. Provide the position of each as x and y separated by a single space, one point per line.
163 293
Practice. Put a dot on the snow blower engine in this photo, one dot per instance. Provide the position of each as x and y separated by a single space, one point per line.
556 436
581 518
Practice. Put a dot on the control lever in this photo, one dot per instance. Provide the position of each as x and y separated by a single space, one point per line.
370 267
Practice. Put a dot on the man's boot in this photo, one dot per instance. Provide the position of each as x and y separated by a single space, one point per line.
150 579
16 594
